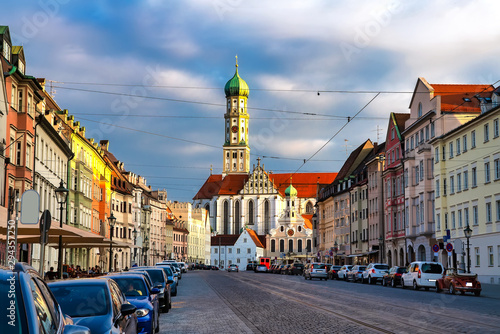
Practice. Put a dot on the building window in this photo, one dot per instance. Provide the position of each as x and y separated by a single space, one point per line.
460 218
474 177
273 246
282 246
444 187
436 154
420 109
495 128
464 142
452 185
18 153
451 150
438 190
497 168
28 156
438 221
453 223
444 153
474 215
459 182
458 146
473 139
488 212
490 256
237 251
486 132
498 210
466 216
478 256
466 180
487 172
432 130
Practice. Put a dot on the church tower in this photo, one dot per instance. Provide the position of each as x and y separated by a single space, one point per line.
236 150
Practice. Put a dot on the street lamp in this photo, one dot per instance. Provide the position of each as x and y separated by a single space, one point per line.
134 233
61 193
468 234
112 221
145 250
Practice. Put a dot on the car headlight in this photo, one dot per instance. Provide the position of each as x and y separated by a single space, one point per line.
141 312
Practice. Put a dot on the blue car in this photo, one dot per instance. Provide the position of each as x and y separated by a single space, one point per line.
140 293
96 303
159 281
28 306
170 276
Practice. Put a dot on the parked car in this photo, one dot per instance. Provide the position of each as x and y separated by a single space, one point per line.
297 269
342 273
171 278
332 273
316 270
374 272
356 273
261 268
393 277
139 293
422 274
96 303
458 282
160 281
183 267
233 267
251 265
286 269
214 268
33 309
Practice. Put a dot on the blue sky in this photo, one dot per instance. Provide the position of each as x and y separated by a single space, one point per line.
105 56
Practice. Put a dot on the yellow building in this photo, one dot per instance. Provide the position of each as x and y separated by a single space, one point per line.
467 187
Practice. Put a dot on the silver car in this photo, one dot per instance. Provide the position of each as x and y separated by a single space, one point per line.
316 270
232 267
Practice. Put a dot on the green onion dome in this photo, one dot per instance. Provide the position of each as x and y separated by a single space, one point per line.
236 86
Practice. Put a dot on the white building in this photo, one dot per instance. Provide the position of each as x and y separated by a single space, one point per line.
239 250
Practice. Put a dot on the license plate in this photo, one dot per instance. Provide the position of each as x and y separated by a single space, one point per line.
468 284
432 280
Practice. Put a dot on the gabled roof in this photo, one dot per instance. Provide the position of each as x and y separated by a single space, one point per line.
305 183
308 221
399 120
356 157
255 238
224 240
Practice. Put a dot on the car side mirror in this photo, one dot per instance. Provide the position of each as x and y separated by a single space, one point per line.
170 281
155 291
74 329
127 309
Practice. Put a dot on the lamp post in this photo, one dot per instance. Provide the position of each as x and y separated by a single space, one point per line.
145 250
61 193
134 233
468 234
112 221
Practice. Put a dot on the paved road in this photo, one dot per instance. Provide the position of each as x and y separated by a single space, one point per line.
247 302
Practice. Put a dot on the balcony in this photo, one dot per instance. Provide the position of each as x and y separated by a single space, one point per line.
423 147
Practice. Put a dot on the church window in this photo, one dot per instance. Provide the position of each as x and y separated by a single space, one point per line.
308 247
241 155
290 245
250 213
267 217
299 245
234 166
282 246
299 228
235 102
309 207
235 155
226 217
273 245
237 217
282 229
241 166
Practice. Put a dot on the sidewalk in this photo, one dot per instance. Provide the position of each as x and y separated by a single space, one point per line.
490 290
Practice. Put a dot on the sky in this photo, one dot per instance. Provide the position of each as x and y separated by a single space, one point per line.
149 76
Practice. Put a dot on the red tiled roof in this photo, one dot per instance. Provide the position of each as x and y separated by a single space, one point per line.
255 238
224 239
308 221
305 183
452 96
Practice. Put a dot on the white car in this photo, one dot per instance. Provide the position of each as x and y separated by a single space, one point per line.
233 267
422 274
342 273
374 272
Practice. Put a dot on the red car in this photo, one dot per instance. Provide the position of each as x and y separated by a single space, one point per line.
455 282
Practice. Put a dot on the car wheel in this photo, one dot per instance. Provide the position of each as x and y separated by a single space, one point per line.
370 280
426 289
438 289
403 284
384 283
415 286
452 289
393 283
157 329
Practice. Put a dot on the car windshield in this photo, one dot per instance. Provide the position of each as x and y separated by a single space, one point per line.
11 295
319 266
432 268
361 268
156 276
82 300
131 287
401 270
381 267
167 270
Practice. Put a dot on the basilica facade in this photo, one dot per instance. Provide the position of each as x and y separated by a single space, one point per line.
241 198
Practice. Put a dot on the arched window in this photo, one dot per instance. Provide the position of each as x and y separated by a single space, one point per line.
421 253
226 218
237 217
273 246
308 247
299 246
309 207
290 245
267 217
282 246
250 213
215 216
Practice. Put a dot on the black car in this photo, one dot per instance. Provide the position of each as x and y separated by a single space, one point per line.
97 303
29 306
393 277
297 269
332 273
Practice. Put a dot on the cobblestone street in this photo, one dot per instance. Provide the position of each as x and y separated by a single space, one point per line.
246 302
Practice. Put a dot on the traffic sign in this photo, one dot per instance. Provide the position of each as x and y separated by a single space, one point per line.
449 247
435 248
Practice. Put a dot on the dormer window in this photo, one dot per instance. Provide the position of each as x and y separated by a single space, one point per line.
21 66
6 50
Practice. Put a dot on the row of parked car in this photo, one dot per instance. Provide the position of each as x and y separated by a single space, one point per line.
122 302
419 274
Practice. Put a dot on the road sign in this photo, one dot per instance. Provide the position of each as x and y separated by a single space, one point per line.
449 247
435 248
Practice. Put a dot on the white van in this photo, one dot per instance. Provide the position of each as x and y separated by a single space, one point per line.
422 274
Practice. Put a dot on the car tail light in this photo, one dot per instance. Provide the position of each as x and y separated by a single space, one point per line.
419 273
372 271
397 274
